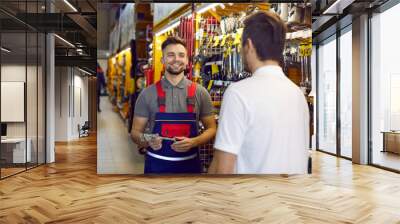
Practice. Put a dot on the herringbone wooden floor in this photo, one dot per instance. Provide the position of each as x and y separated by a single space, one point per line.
70 191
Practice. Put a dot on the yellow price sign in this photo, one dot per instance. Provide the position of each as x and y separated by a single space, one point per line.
223 40
240 31
214 69
238 36
209 43
305 50
216 41
210 84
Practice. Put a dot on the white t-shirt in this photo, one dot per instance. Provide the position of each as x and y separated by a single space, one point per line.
264 120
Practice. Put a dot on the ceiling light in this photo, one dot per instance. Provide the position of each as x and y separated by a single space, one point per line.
207 7
64 40
174 24
70 5
86 72
170 27
5 50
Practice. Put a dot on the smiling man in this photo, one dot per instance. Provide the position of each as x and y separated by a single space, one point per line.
172 108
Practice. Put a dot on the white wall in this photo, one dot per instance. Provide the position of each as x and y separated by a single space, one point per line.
80 97
85 99
12 73
61 103
33 127
71 102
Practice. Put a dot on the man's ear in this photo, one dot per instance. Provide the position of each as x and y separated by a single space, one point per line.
244 43
250 45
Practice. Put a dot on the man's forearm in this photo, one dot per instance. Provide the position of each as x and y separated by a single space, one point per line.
212 169
222 163
137 138
205 137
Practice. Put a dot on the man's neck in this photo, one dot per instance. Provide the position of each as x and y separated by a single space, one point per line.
174 79
259 64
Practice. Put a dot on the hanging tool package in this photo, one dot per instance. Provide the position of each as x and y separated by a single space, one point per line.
186 32
219 52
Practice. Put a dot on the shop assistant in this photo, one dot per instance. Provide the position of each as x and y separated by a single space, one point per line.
172 108
263 126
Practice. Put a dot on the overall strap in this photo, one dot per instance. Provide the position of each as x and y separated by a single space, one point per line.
191 92
161 97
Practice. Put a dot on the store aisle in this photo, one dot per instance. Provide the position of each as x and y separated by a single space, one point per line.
117 154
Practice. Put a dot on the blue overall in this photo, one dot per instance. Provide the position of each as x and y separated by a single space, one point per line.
171 125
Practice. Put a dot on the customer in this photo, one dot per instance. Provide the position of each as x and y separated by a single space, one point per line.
172 108
101 83
263 127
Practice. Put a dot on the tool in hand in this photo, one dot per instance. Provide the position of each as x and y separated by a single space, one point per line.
149 137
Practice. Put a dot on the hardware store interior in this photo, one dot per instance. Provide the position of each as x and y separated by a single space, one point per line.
71 73
320 70
213 34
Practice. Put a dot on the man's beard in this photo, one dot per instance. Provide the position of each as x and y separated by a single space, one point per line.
175 72
172 71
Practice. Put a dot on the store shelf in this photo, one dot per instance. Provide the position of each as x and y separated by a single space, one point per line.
293 26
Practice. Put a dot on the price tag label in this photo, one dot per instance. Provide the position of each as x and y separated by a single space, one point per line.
216 41
305 50
223 40
210 40
214 69
238 36
210 84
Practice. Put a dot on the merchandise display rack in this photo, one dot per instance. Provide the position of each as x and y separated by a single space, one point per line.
129 69
213 33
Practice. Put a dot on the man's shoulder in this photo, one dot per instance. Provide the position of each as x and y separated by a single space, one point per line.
150 88
200 89
149 91
242 85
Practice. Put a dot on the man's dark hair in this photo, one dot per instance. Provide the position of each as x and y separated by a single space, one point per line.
267 32
173 41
